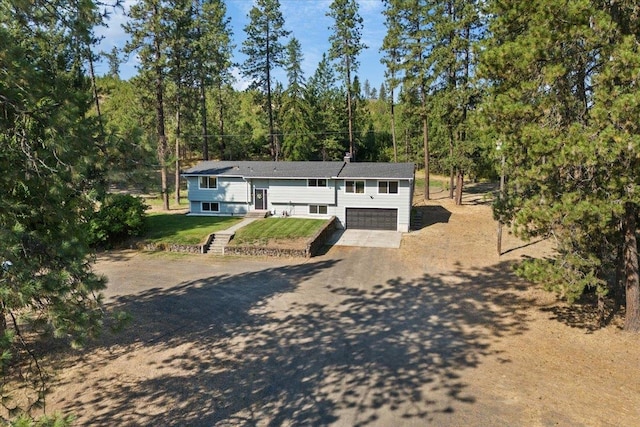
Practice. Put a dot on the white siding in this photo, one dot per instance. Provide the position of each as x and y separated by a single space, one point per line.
229 190
235 196
371 199
284 191
232 194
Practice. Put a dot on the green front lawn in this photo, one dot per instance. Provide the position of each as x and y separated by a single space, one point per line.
262 231
184 230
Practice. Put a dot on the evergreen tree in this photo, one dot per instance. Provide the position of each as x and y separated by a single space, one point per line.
129 151
51 174
366 89
265 53
113 61
148 32
296 143
326 100
382 93
212 52
180 65
345 48
431 42
391 45
417 79
564 104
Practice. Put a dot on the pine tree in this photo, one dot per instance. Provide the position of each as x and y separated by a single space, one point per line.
391 45
326 101
413 24
297 143
265 53
345 48
51 174
149 39
564 102
212 63
180 65
113 61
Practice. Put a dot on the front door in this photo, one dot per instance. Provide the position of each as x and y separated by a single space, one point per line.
260 199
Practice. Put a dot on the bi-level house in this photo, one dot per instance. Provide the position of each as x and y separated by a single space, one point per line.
374 196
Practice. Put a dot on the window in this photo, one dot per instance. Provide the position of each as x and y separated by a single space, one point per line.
318 209
354 187
208 182
210 207
388 187
320 182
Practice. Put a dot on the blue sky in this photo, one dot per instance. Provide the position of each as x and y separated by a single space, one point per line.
305 19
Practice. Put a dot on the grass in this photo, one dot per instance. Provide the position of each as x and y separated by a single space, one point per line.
278 229
434 182
156 202
184 230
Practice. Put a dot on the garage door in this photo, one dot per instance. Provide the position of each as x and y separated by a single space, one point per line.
372 219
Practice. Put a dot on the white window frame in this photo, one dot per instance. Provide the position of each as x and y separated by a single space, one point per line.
211 204
316 182
355 186
208 187
388 182
317 209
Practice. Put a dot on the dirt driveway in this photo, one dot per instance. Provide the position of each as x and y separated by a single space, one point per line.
438 332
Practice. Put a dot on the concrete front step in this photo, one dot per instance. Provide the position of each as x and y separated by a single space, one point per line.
219 242
257 214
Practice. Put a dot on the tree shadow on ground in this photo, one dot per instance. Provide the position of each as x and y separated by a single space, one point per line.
479 193
584 313
222 352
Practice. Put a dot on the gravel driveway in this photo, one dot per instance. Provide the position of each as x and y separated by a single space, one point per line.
426 334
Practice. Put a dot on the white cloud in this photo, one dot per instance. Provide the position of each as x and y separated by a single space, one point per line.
240 82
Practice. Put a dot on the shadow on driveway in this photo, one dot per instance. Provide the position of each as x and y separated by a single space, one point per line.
222 352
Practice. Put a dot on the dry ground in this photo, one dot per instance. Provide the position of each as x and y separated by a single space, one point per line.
439 332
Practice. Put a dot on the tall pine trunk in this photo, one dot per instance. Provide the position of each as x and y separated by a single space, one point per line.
393 130
452 171
632 278
459 186
350 115
272 143
203 113
221 146
177 171
425 136
162 137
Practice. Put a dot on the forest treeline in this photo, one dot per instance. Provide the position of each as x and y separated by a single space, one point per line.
543 93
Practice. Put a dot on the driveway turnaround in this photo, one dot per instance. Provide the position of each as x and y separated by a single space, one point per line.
366 238
437 333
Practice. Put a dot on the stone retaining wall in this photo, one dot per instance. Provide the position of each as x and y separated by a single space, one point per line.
171 247
313 245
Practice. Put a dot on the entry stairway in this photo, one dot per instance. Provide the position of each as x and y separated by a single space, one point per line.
222 238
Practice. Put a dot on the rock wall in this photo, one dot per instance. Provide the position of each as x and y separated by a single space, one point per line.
313 245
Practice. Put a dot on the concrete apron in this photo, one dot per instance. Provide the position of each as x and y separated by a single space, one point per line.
366 238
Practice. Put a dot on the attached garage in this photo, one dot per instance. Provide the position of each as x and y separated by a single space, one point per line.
372 219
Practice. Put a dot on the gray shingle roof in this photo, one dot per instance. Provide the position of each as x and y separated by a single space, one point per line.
257 169
377 170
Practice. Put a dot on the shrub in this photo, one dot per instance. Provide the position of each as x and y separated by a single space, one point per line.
121 216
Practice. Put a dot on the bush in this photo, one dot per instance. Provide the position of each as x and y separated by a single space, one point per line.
120 217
